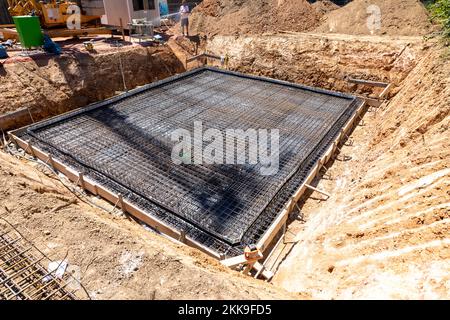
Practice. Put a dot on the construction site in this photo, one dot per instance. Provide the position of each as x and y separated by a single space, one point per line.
224 149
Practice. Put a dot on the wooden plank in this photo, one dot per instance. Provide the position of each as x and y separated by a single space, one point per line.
267 274
122 30
373 102
211 56
9 120
260 269
8 33
318 190
194 58
274 228
203 55
76 32
234 262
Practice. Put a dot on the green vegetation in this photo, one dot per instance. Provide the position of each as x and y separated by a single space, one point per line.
440 12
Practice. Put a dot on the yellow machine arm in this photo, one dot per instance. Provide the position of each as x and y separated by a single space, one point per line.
52 14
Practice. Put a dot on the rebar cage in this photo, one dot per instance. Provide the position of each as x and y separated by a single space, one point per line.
125 144
24 274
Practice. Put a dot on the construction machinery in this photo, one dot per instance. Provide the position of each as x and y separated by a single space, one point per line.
52 13
57 18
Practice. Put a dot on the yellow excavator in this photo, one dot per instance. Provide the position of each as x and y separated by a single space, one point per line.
52 13
53 16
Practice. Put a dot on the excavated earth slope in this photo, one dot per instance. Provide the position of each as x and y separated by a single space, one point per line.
385 232
320 60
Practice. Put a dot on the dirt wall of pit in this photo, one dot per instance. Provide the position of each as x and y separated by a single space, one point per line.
38 88
319 60
384 232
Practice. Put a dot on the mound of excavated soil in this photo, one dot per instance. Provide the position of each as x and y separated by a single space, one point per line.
238 17
385 231
324 6
117 258
232 17
398 17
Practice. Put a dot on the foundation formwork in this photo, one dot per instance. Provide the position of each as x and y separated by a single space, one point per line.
121 150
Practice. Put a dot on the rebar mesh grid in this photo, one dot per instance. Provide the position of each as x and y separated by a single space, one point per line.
125 144
23 275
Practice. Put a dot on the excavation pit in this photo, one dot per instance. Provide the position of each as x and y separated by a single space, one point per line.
123 145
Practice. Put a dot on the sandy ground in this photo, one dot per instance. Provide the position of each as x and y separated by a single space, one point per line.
378 17
118 258
385 232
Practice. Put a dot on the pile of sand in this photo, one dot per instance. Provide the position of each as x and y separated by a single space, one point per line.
324 6
398 17
117 258
233 17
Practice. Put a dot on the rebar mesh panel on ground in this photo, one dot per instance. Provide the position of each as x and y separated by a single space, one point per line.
129 142
23 275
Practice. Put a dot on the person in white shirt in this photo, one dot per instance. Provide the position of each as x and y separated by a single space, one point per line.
184 12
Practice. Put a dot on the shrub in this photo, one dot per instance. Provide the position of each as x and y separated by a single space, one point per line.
440 12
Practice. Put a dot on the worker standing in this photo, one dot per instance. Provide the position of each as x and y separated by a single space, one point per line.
184 12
